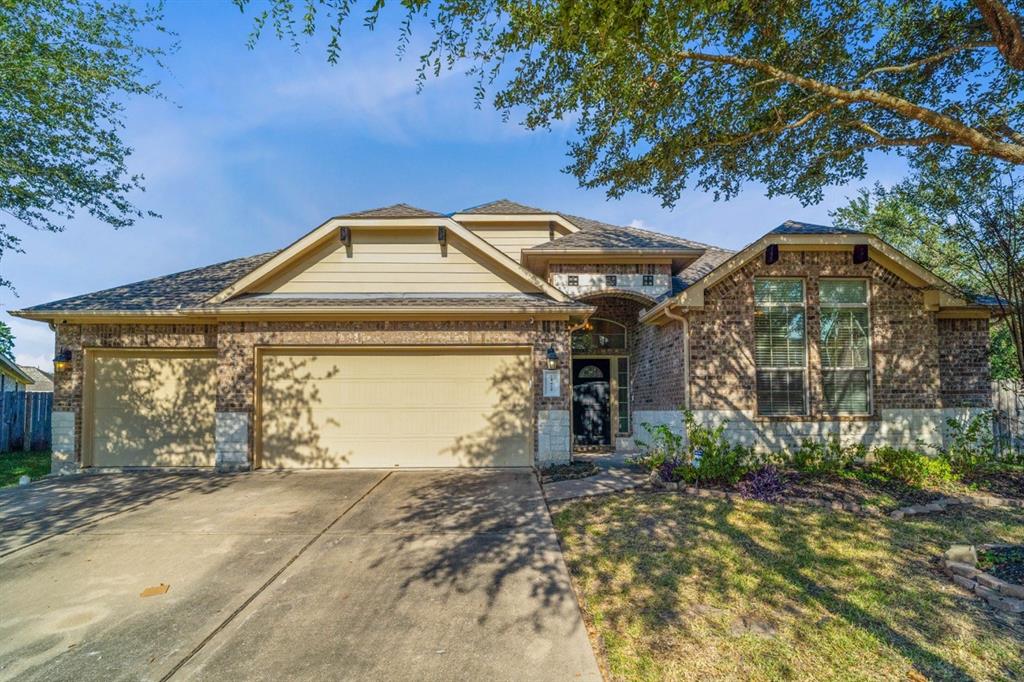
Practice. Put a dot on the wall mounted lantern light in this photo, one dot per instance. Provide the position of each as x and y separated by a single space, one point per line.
62 360
552 358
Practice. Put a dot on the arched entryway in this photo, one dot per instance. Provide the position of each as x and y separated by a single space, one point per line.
602 364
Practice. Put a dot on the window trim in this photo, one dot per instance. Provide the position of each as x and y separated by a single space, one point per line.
807 357
870 369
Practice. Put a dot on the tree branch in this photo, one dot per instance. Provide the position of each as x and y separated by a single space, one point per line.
957 132
1005 29
925 61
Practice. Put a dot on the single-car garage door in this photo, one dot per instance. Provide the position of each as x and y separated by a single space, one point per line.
150 408
452 407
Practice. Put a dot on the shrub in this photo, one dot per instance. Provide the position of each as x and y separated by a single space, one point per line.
765 484
663 453
971 444
816 457
711 458
910 467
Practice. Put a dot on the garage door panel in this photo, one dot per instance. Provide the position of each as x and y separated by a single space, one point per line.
151 409
385 409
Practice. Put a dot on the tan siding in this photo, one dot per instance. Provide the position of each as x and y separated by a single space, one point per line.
151 408
393 261
410 408
512 239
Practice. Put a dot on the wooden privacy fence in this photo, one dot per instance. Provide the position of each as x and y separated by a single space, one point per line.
1008 424
25 421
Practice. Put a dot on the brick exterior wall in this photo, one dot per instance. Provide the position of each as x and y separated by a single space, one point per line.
963 363
235 343
909 344
659 373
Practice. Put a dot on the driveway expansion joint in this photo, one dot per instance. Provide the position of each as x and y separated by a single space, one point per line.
270 581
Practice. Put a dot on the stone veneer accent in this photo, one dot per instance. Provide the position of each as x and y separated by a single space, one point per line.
553 437
232 438
236 343
62 430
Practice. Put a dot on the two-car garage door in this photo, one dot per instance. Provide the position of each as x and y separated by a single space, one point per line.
450 407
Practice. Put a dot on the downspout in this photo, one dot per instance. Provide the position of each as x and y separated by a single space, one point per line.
686 353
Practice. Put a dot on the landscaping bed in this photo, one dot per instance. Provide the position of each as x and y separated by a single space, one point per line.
1004 562
687 588
568 472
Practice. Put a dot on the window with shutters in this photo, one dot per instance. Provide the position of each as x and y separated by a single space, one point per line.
780 346
845 346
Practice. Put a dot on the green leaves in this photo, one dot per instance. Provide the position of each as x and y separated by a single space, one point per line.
713 94
66 69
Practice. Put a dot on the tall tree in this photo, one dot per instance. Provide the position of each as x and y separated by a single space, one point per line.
6 340
962 217
790 93
66 70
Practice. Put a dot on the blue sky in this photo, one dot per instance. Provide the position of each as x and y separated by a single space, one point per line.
254 148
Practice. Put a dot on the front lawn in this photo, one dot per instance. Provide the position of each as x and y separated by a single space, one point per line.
13 465
676 587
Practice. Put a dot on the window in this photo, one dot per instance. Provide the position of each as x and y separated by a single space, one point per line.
612 280
845 346
574 280
780 346
648 280
623 378
599 334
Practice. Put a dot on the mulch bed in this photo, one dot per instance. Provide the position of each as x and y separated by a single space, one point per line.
1006 482
568 472
1005 563
867 489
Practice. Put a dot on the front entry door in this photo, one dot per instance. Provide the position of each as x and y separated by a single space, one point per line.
591 402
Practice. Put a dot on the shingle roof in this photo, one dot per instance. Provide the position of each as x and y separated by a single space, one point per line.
594 234
394 211
797 227
699 268
400 300
504 206
42 381
186 289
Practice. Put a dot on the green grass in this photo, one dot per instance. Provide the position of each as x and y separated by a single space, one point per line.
13 465
670 586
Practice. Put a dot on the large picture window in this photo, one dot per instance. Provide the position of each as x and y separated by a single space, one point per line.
780 348
845 346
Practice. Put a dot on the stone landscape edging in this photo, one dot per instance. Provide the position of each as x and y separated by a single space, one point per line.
1004 596
941 504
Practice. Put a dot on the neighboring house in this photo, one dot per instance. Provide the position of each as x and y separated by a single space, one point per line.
505 335
42 382
12 378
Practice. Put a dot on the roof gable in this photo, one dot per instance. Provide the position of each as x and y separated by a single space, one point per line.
503 207
379 260
797 236
394 211
502 267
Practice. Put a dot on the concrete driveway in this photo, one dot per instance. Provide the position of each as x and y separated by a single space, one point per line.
307 575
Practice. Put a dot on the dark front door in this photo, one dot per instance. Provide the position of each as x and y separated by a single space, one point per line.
591 402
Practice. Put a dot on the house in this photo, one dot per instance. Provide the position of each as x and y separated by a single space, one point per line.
12 378
505 335
42 382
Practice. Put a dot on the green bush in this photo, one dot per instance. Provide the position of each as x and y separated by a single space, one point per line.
664 452
971 444
818 457
710 457
910 467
